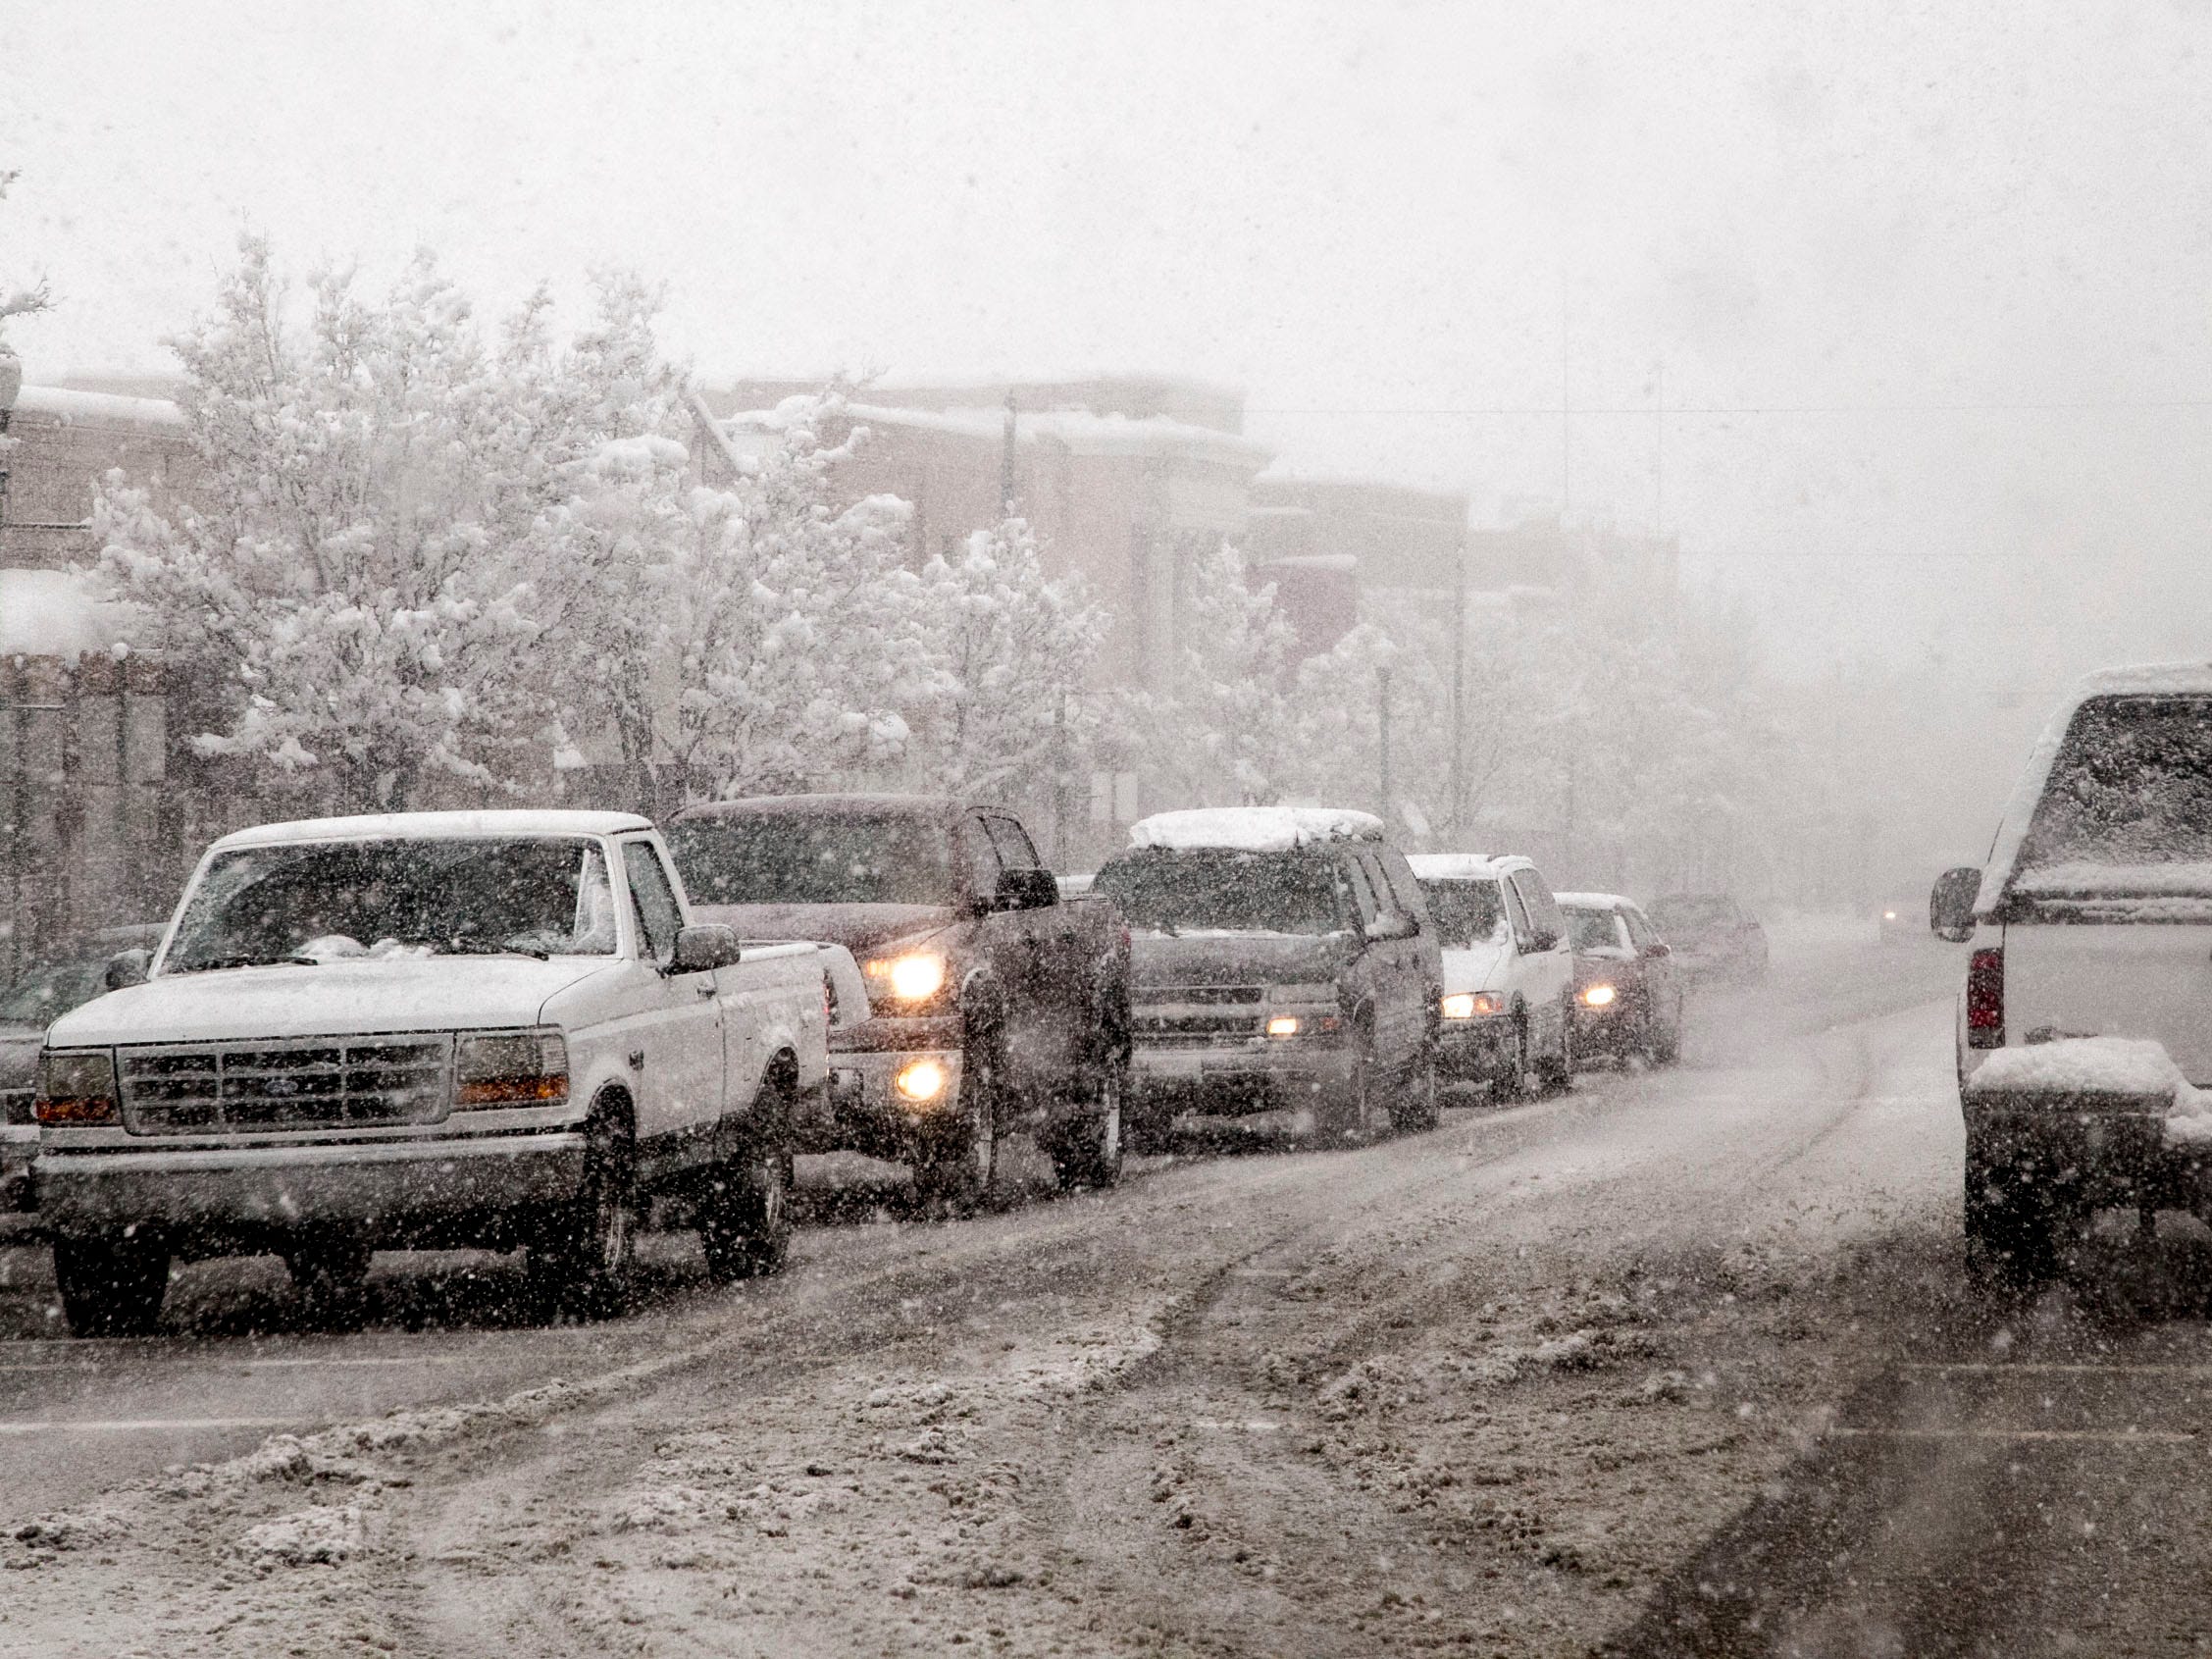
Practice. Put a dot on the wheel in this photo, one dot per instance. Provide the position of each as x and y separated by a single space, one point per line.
2011 1225
1347 1119
111 1286
1414 1109
1087 1149
1558 1075
583 1257
1664 1047
956 1165
1516 1081
1147 1127
332 1276
744 1216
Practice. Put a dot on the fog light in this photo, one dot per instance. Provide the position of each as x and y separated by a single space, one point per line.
920 1081
1283 1025
1599 996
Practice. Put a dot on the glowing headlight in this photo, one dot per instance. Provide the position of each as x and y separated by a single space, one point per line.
911 979
1599 996
1283 1025
920 1081
1472 1004
1889 915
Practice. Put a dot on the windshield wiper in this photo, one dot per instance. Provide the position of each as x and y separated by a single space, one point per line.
476 944
216 963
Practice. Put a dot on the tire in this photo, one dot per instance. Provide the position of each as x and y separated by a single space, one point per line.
1087 1149
583 1257
744 1214
1413 1110
332 1276
1347 1119
1147 1127
957 1167
2011 1227
1665 1045
111 1286
1518 1081
1558 1074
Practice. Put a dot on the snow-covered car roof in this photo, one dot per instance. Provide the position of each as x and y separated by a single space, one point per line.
372 826
1466 867
1254 829
2145 679
1594 901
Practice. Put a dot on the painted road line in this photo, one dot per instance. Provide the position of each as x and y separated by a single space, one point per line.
146 1424
2103 1436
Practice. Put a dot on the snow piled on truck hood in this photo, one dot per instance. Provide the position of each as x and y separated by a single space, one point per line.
1253 829
392 994
1479 968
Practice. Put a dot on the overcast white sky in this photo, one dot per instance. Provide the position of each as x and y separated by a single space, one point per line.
1944 265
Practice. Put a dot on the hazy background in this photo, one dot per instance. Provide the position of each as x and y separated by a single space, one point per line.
1926 289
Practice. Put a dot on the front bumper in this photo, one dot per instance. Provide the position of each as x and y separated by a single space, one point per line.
1616 1028
1270 1074
388 1189
1475 1050
19 1145
869 1115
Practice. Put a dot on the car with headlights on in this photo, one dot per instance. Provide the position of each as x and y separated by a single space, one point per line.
1508 973
1286 975
994 1003
429 1030
1628 992
66 976
1712 936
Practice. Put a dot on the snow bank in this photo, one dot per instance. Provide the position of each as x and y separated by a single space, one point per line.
322 1536
55 614
2079 1065
1254 829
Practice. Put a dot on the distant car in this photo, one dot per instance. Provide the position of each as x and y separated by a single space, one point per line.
1712 936
1509 972
66 976
1628 989
1899 923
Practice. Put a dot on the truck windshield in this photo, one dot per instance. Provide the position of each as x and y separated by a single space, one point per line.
1223 891
1467 913
789 859
321 901
2131 786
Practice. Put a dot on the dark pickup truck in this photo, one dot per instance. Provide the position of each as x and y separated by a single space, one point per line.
992 1003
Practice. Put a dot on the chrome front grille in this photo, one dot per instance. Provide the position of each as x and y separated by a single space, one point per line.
267 1087
1197 1016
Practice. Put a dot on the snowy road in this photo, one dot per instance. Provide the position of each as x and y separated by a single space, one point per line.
1680 1363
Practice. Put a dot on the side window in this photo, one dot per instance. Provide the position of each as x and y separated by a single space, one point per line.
1640 935
654 899
1404 888
1016 849
979 859
1362 890
1524 935
1543 908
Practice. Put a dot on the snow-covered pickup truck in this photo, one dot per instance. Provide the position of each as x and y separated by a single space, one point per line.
438 1029
2085 1030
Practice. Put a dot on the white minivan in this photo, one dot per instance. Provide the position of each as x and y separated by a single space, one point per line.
1509 972
2092 920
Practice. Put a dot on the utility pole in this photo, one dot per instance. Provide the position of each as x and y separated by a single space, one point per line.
1659 459
1006 461
1382 734
1458 795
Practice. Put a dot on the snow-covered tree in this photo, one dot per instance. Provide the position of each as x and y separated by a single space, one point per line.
22 297
341 571
1215 724
1014 653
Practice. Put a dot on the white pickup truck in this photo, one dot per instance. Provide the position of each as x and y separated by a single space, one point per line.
438 1030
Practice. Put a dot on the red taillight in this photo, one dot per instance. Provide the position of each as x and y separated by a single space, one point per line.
1986 1000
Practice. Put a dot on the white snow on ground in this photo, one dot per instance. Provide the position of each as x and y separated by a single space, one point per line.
2108 1065
1253 829
318 1536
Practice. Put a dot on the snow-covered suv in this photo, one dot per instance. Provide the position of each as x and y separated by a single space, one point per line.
2091 933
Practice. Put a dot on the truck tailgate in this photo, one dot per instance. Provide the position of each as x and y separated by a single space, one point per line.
2113 979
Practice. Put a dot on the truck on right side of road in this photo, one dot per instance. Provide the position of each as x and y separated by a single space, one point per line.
2090 930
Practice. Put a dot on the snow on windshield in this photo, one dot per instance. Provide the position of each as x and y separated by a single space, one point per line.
1467 913
2129 787
324 899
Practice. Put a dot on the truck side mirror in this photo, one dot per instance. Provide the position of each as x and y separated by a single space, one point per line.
1025 890
703 947
1950 907
127 967
1392 924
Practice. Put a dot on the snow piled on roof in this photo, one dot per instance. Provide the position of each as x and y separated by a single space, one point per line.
97 408
1592 900
370 826
1254 829
56 613
2084 879
1456 866
1083 432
